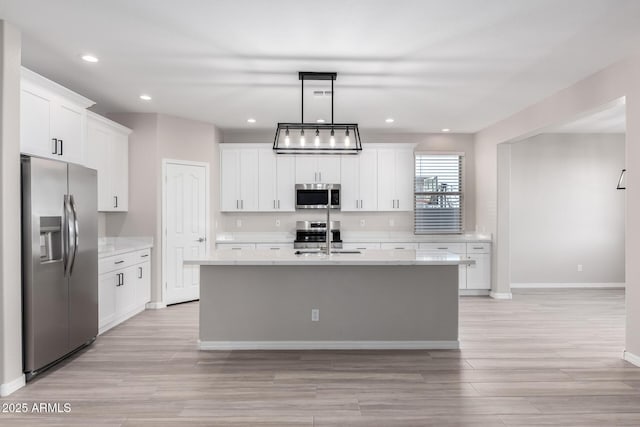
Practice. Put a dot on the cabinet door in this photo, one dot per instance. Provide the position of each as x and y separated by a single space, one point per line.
328 169
68 123
386 180
35 124
229 180
126 292
267 167
306 170
143 283
285 183
350 183
249 179
479 274
368 178
119 171
98 158
107 299
404 179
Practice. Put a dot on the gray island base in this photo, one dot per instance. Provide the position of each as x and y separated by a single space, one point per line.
376 300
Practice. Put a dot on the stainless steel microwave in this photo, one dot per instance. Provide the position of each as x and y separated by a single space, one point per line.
316 196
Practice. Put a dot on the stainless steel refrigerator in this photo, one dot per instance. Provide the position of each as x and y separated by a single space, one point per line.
60 260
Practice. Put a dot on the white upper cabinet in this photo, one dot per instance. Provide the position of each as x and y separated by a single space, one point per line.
108 153
359 181
395 179
317 169
277 181
239 179
53 119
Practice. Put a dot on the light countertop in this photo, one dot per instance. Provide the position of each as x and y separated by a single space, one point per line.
289 258
355 237
109 246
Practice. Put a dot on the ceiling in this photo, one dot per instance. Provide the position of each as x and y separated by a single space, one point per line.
458 64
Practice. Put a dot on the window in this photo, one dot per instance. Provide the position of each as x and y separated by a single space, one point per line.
438 193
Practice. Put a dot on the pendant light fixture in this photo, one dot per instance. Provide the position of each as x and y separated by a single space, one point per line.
324 141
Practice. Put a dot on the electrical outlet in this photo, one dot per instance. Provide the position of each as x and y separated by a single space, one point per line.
362 223
315 315
238 223
579 267
277 223
392 222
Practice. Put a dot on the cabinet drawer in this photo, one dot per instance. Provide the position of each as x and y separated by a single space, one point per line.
234 246
478 248
400 245
274 246
360 246
124 260
456 248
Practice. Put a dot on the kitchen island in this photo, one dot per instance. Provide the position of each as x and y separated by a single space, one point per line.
377 299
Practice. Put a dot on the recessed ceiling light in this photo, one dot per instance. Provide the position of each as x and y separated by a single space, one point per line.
145 97
446 130
251 120
89 58
320 121
389 120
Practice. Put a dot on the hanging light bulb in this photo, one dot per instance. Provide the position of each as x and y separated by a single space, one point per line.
347 140
332 139
316 141
286 138
302 140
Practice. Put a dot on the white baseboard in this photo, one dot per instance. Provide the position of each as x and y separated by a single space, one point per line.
328 345
155 305
501 295
631 358
617 285
473 292
8 388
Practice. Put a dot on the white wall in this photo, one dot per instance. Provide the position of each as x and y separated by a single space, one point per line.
374 221
156 137
565 209
618 80
11 376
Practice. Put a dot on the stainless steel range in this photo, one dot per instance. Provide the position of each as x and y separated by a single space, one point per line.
313 235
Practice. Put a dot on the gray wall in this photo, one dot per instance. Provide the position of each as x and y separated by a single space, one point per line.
374 221
156 137
10 260
565 209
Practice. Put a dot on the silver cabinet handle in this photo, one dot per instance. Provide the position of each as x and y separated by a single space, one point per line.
237 204
241 204
236 249
201 239
144 256
442 249
115 201
315 177
61 147
320 173
476 247
398 203
275 249
139 272
119 262
278 204
55 146
274 204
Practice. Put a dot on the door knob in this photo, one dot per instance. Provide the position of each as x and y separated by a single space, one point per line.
201 239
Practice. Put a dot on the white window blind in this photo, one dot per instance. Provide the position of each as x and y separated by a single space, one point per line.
438 194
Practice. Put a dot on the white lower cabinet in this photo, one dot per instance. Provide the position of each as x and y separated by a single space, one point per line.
360 246
274 246
401 245
124 287
471 277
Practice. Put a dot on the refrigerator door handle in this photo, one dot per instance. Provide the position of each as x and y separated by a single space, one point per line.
76 233
65 234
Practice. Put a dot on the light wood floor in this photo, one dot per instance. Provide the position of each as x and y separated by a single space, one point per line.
549 357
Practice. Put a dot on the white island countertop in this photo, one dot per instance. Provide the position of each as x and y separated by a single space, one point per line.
288 257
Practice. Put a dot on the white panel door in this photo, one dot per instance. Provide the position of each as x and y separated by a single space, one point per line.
68 126
328 169
285 183
405 176
119 171
185 213
35 125
249 179
386 180
229 180
306 170
368 177
267 194
350 183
